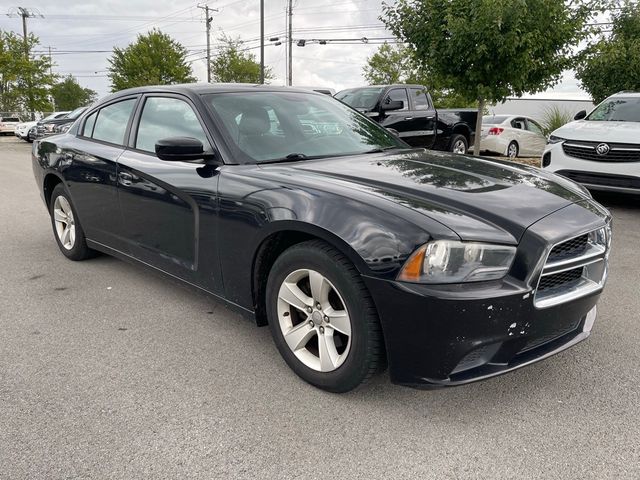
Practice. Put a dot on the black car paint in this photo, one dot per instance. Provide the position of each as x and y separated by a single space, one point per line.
210 226
430 128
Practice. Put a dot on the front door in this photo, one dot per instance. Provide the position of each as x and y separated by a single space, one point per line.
169 209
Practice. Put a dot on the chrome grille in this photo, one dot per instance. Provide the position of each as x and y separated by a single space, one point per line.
574 268
618 152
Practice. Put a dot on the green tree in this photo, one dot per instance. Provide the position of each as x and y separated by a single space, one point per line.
492 49
69 95
235 65
154 59
24 79
396 64
613 64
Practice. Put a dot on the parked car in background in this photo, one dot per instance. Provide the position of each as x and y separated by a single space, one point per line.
47 127
409 110
353 247
512 135
22 129
601 150
8 125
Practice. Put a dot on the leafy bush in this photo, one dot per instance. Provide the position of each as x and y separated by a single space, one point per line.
555 117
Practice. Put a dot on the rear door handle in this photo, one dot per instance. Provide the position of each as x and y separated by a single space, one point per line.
408 118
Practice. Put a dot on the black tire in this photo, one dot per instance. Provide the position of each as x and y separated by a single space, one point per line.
366 355
79 250
513 144
458 140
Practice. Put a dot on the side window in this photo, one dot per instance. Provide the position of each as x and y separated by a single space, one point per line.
419 99
164 117
518 123
112 122
534 127
89 123
399 94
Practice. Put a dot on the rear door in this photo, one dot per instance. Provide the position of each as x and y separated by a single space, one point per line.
91 171
538 140
422 120
169 209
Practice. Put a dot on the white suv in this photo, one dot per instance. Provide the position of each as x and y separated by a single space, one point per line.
600 150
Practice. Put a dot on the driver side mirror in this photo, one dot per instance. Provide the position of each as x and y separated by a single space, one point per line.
182 149
580 115
390 105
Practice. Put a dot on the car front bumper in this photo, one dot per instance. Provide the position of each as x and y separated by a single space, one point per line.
439 338
621 177
445 335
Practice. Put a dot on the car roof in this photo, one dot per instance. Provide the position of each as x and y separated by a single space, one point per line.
626 94
205 88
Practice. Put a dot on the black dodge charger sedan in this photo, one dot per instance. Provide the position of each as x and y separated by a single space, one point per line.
357 250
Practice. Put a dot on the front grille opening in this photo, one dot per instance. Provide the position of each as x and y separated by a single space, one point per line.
569 249
560 281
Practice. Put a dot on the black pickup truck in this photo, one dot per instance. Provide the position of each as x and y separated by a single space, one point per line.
409 110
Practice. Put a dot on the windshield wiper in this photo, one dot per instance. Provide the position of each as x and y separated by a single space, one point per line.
293 157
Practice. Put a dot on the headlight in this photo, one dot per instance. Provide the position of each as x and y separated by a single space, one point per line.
446 261
553 139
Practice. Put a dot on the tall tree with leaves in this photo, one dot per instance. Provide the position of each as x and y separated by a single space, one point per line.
68 94
153 59
613 64
24 80
235 65
492 49
396 64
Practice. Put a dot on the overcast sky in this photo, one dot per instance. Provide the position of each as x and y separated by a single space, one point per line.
72 25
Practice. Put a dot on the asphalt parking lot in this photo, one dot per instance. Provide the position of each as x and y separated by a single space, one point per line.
110 371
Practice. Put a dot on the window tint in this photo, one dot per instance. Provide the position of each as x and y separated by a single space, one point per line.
419 99
168 117
112 122
534 127
399 94
88 125
518 123
365 98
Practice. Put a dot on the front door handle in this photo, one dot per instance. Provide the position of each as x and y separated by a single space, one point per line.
125 178
408 118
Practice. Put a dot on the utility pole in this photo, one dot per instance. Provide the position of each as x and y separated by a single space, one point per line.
290 43
26 13
208 19
261 42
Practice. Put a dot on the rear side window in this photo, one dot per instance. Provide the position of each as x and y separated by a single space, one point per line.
518 123
168 117
419 99
112 120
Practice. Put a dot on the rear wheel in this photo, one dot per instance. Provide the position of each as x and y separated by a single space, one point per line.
66 227
322 318
459 144
512 150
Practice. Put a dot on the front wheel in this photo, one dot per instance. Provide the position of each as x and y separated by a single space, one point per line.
66 226
322 318
459 144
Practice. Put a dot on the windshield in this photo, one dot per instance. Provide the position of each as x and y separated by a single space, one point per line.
494 119
617 110
76 113
271 126
365 98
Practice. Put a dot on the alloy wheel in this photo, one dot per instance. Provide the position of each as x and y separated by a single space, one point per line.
513 150
64 222
314 320
459 147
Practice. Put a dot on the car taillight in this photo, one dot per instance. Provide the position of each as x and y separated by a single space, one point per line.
496 131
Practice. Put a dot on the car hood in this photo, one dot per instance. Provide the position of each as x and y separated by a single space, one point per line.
591 131
477 198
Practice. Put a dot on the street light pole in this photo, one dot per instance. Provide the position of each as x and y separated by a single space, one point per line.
262 42
290 43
